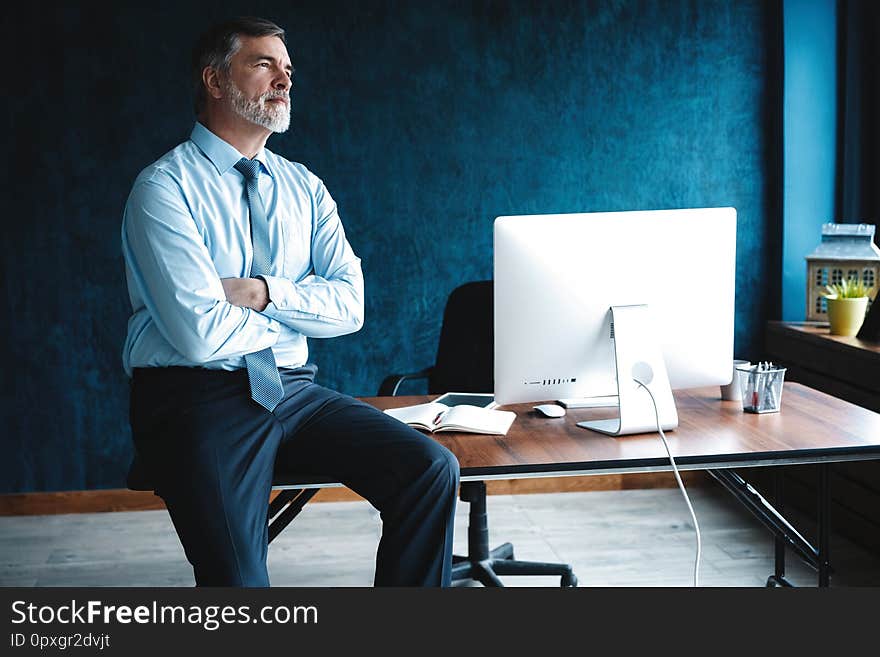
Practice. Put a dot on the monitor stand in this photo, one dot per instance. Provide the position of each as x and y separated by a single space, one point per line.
637 356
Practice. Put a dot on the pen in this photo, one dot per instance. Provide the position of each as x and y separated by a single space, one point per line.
437 419
771 386
752 387
765 389
759 387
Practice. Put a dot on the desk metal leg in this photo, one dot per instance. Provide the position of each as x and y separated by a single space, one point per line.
824 520
778 577
285 507
785 533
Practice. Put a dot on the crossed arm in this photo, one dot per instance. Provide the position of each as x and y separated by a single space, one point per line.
206 317
250 293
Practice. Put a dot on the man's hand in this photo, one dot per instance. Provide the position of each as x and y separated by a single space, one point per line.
246 292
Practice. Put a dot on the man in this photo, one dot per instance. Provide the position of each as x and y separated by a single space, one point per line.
234 256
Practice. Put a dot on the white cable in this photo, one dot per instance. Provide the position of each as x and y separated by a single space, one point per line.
680 485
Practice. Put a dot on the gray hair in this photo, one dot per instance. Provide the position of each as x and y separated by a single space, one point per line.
217 46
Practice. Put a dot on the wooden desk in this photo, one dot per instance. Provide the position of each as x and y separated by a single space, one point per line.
713 435
812 427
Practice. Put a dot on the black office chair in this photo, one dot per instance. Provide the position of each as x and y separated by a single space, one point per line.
465 363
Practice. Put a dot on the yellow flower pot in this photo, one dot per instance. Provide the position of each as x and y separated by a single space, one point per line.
846 315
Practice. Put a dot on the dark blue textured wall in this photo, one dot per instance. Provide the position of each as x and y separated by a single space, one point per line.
425 120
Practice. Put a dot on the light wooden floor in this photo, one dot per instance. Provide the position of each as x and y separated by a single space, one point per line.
611 538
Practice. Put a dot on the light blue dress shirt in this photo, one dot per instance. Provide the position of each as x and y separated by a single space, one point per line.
186 226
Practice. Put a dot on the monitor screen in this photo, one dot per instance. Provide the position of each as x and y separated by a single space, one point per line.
557 276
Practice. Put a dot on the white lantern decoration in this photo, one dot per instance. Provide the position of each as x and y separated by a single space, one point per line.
846 251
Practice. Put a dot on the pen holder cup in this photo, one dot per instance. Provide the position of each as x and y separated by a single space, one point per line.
761 388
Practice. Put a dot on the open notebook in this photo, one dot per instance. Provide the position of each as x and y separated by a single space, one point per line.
434 416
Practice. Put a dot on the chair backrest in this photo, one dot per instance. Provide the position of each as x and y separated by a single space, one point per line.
465 352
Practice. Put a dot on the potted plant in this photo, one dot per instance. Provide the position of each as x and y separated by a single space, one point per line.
847 303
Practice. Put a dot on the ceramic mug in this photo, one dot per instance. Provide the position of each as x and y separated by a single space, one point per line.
732 391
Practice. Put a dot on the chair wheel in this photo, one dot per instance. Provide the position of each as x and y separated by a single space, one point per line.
771 582
569 580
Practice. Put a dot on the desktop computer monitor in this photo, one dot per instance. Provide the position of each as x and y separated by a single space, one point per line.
557 278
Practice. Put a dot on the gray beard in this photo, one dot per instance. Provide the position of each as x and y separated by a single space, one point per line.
272 117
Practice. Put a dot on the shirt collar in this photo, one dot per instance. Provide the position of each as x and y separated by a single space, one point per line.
222 154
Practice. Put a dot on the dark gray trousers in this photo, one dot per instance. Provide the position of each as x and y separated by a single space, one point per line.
212 451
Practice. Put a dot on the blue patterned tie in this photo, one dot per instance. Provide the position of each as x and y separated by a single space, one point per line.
263 375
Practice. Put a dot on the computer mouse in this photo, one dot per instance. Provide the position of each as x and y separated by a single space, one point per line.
550 410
